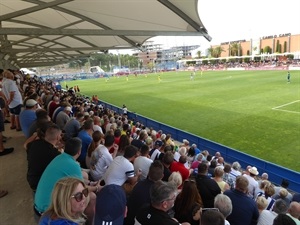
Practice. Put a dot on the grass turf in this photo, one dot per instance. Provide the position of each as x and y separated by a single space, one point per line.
246 110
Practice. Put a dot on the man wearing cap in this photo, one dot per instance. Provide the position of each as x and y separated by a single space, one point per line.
63 117
28 116
155 153
253 187
110 205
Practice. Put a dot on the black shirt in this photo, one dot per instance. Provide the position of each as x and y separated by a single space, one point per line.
152 216
39 154
208 190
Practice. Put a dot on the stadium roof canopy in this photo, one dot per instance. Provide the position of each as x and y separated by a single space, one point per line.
37 33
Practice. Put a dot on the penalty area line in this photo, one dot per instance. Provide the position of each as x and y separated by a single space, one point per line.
283 110
277 107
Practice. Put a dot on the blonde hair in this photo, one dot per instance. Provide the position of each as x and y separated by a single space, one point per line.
218 172
175 178
283 193
60 206
261 202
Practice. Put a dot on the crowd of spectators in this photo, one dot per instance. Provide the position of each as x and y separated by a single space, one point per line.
90 165
239 63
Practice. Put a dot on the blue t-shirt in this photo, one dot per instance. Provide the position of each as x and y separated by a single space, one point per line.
86 141
61 166
27 117
47 221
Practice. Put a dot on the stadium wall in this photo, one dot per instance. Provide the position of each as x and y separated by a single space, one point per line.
276 172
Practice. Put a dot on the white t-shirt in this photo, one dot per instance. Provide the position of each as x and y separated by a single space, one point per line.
266 217
143 163
100 161
119 171
97 127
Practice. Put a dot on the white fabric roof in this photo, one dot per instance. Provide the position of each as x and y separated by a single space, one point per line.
37 33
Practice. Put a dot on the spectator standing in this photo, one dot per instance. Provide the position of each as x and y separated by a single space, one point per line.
14 99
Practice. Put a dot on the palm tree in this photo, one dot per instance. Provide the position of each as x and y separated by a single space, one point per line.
199 54
235 49
218 51
211 51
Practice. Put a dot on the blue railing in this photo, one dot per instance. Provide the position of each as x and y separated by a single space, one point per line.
276 173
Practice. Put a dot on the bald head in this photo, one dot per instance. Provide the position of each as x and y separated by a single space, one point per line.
97 120
294 210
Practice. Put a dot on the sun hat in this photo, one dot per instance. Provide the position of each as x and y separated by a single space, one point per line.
253 170
110 205
31 102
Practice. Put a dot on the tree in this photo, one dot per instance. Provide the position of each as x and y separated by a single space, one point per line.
268 49
218 51
210 51
199 54
235 49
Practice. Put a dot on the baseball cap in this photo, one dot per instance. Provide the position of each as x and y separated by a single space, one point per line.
31 102
68 108
110 205
158 143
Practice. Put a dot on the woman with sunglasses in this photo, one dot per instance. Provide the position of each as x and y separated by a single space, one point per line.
69 200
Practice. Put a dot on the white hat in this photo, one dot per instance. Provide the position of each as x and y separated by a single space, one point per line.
68 108
253 170
31 102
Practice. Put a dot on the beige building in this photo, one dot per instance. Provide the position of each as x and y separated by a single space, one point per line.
275 43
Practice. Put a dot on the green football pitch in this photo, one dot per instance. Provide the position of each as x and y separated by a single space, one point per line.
256 112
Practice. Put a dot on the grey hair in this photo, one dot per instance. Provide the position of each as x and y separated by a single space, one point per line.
161 191
236 165
224 204
280 206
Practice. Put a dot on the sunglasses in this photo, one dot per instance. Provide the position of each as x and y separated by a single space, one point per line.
79 196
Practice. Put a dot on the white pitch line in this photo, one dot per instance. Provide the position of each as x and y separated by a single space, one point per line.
286 111
285 104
